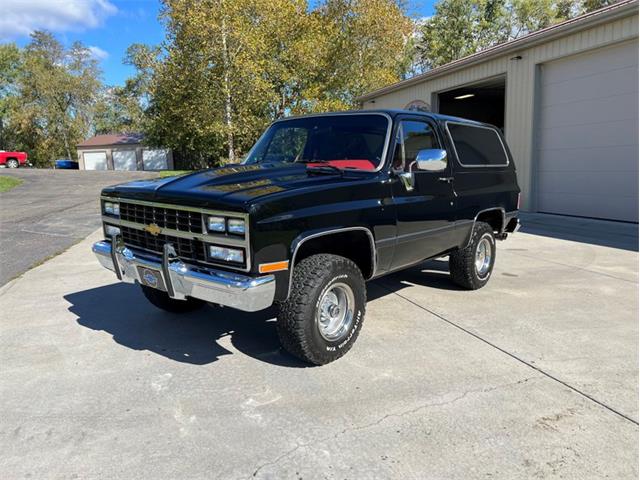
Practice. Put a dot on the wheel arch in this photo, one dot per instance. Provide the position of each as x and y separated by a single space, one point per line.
494 216
326 241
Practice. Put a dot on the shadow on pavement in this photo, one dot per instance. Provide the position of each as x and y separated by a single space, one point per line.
432 274
604 233
122 311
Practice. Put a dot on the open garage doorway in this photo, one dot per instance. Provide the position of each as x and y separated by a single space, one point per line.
482 101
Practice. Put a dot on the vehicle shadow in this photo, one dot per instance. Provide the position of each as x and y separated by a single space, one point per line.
605 233
122 311
432 274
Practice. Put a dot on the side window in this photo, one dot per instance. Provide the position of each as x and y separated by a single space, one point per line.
477 146
413 136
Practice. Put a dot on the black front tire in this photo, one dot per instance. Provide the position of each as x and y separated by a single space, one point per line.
163 301
462 262
300 322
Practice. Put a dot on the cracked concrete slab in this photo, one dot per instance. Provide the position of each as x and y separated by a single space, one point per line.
568 308
96 383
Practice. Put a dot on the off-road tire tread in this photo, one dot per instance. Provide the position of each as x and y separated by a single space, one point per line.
161 300
308 277
462 261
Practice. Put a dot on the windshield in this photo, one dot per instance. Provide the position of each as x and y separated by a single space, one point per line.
341 141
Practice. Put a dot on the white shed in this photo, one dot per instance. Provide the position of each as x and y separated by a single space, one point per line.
122 152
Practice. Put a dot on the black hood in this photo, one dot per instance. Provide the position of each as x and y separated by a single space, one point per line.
235 186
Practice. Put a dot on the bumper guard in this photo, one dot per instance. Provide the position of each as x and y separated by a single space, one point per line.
182 280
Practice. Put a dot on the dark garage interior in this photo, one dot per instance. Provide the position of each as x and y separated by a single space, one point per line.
483 102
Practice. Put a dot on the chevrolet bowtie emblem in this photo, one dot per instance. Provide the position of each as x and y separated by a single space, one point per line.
153 229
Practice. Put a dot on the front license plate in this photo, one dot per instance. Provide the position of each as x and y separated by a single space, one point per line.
151 278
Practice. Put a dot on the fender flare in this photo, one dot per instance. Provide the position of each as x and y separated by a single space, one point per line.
475 219
303 237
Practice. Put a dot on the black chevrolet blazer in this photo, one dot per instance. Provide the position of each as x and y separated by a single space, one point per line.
321 204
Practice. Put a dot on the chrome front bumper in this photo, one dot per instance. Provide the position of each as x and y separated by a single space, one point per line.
183 280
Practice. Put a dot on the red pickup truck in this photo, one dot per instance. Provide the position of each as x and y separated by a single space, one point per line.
13 159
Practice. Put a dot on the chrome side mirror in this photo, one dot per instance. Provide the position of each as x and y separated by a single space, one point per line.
431 160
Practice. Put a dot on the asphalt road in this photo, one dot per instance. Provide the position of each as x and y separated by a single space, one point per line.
533 376
49 212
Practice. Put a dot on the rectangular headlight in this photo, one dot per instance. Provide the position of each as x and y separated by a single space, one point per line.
236 226
226 254
111 208
216 224
111 230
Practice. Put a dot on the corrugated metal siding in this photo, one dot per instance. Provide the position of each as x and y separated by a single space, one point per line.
521 86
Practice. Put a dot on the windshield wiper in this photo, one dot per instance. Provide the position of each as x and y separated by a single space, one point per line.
324 164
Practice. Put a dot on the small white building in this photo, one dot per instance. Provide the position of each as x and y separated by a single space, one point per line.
567 99
122 152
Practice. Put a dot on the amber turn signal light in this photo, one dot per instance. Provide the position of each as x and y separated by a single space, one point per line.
273 267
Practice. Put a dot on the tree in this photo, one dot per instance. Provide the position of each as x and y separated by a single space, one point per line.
10 67
211 84
228 68
121 109
53 96
450 33
463 27
590 5
365 44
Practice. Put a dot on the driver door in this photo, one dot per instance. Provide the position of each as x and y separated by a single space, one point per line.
424 203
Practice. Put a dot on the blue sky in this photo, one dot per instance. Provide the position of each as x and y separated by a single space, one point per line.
108 27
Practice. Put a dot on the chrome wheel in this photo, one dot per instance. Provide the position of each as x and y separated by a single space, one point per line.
334 315
12 163
483 256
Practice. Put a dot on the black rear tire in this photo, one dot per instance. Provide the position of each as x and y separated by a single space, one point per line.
163 301
463 266
13 163
321 319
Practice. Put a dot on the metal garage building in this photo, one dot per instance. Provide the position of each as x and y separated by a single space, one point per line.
122 152
567 98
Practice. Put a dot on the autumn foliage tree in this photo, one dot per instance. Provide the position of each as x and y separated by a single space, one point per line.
233 66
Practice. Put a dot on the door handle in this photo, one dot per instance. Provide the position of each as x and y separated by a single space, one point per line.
446 179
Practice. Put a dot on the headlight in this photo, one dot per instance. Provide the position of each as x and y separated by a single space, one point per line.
215 224
236 226
111 208
226 254
110 230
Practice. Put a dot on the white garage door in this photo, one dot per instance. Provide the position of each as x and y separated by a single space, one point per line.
95 160
587 142
154 159
124 160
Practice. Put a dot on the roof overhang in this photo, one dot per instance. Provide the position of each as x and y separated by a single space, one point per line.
603 15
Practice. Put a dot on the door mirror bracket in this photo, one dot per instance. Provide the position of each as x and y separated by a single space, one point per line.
407 179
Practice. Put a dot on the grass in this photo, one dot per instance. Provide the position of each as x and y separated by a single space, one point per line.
172 173
7 183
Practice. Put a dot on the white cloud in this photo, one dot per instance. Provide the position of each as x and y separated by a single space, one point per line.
18 18
97 52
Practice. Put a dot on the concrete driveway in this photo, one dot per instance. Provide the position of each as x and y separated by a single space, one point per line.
50 211
534 376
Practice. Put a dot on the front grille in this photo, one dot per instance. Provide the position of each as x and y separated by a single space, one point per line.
181 220
187 249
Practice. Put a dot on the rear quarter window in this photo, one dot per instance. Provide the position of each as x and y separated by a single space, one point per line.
477 146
